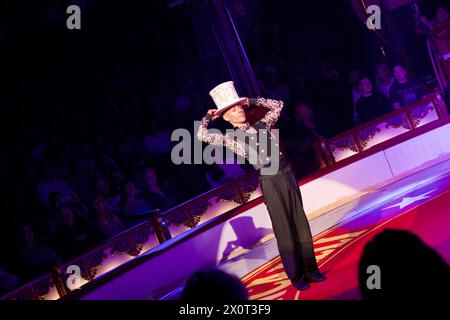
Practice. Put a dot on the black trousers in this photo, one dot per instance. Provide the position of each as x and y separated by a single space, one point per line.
290 225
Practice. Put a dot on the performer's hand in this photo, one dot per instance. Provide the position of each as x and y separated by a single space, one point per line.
212 113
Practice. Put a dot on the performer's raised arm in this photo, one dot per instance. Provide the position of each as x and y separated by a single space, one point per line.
204 135
218 139
274 107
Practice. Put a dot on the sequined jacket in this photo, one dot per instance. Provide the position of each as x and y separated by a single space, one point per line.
236 146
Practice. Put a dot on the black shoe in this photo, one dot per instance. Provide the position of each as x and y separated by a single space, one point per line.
301 285
316 277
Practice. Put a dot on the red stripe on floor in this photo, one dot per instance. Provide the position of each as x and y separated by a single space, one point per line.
338 251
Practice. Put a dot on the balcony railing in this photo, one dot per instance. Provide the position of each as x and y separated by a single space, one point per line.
373 133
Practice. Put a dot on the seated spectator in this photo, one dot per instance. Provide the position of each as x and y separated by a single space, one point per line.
80 209
403 91
409 269
440 35
35 258
107 164
50 183
107 220
384 78
371 104
301 140
56 203
74 236
214 286
439 31
153 194
133 204
353 77
103 191
304 118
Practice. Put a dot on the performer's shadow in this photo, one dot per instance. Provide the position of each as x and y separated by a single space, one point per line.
248 236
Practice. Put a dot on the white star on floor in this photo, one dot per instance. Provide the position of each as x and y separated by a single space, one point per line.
409 200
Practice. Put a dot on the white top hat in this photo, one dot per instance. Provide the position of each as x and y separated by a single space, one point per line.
225 96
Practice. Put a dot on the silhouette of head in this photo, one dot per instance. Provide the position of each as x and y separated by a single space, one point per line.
408 268
382 71
365 86
214 285
400 73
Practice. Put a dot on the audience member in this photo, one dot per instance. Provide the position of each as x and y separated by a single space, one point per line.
371 104
34 258
214 286
384 78
402 260
404 91
133 204
103 192
353 77
439 31
74 236
154 194
50 183
107 220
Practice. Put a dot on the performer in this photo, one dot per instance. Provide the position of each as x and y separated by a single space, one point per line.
280 190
